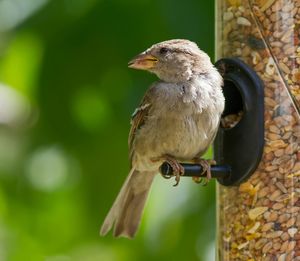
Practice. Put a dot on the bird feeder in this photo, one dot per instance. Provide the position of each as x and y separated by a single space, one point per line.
258 208
257 147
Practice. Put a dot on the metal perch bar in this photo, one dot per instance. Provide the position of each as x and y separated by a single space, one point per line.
196 170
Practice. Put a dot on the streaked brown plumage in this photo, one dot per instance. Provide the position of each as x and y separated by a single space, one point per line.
176 121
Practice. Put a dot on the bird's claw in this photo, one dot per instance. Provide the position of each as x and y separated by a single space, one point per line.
166 176
206 166
178 173
201 180
178 170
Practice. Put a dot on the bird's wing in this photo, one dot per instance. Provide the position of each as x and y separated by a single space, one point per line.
138 119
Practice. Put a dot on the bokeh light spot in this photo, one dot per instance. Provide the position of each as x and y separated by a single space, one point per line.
14 12
14 107
20 65
50 168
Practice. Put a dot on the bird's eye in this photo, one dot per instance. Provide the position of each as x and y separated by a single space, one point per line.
163 50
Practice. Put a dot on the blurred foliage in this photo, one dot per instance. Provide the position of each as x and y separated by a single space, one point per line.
66 96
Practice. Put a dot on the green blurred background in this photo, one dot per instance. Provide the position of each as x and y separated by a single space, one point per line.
66 96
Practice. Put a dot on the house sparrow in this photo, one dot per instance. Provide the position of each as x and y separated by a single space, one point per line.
177 121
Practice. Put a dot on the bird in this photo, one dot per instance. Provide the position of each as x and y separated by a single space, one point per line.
177 121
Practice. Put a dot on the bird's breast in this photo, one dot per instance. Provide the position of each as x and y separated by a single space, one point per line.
182 122
182 136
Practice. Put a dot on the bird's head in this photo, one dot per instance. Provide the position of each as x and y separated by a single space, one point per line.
173 61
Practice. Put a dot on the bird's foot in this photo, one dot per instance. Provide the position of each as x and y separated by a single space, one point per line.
178 170
206 165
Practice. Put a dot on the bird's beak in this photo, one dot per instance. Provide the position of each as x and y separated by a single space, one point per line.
143 62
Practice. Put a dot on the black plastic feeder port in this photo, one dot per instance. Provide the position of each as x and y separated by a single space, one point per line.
241 146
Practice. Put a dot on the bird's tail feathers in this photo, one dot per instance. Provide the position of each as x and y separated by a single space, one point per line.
126 212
